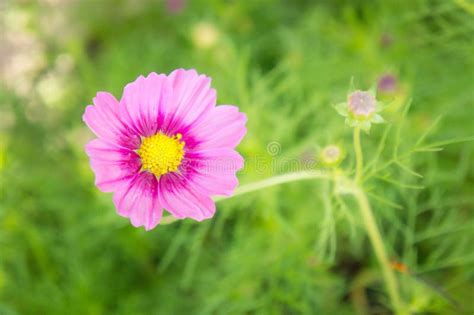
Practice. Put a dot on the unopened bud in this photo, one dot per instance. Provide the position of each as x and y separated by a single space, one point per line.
387 84
362 104
331 155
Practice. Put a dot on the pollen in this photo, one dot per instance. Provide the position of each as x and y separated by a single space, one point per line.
161 154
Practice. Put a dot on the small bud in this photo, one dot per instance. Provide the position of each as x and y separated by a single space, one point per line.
362 103
361 110
386 40
331 155
175 6
387 84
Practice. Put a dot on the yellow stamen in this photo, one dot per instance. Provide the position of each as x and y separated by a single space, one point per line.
161 154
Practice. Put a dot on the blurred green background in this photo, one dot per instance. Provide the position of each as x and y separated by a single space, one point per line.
290 249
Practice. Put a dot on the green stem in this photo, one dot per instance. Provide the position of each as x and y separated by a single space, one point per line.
269 182
373 230
359 156
379 248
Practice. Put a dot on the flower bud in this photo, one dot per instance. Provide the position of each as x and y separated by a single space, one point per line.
361 110
331 155
362 104
175 6
387 84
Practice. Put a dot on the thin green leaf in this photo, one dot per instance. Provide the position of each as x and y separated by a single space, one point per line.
400 184
428 130
385 201
408 170
447 142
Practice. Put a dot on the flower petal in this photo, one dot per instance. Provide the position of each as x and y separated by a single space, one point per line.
103 119
223 127
142 102
214 170
138 200
184 200
192 98
111 165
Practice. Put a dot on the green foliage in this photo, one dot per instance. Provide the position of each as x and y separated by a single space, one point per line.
298 248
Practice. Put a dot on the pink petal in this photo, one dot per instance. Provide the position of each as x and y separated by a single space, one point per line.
223 127
138 200
184 200
104 120
142 102
191 99
213 170
111 165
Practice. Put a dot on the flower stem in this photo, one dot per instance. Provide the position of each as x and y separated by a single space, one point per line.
373 230
359 155
269 182
277 180
377 243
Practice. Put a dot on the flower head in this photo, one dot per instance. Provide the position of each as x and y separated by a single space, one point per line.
165 145
360 110
361 103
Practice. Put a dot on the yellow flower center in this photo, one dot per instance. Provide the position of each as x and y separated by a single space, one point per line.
161 154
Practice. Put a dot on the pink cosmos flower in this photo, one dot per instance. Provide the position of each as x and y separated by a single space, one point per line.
165 145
